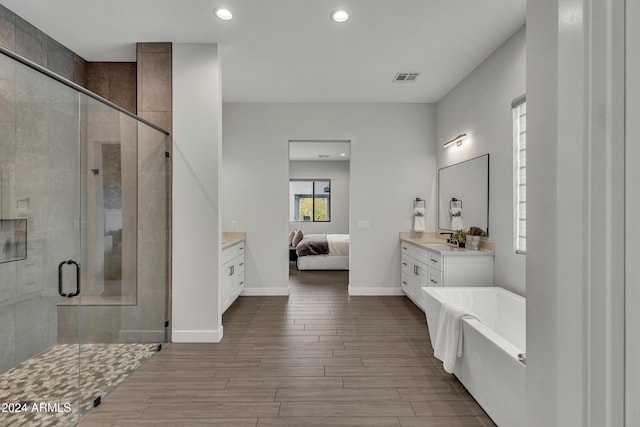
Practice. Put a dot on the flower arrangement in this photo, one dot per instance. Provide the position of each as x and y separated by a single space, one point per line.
473 237
459 236
477 231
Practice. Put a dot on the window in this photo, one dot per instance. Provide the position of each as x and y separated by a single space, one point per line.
310 200
519 106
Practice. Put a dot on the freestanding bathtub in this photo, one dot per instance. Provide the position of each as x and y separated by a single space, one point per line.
489 366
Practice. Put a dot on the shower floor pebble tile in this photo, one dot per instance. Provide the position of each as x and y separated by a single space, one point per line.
44 390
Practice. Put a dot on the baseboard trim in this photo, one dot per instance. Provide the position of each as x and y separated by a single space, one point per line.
265 292
197 336
385 291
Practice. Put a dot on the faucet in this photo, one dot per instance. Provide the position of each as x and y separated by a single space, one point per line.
450 236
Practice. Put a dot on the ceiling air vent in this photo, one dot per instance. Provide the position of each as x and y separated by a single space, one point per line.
405 77
323 156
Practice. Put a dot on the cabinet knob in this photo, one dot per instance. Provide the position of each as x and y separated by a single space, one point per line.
433 260
404 283
433 281
404 263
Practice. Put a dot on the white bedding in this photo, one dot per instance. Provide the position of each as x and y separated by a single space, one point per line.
338 244
336 259
322 262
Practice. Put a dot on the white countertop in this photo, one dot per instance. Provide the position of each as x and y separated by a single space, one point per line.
434 242
230 238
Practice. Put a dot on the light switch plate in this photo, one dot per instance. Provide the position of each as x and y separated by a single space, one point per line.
234 225
363 225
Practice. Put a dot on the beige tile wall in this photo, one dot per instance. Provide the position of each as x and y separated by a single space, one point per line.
154 83
115 81
144 89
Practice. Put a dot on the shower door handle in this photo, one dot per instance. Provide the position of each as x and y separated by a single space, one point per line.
71 294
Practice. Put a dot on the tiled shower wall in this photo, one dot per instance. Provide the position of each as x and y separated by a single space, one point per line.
29 287
40 161
155 104
21 37
113 81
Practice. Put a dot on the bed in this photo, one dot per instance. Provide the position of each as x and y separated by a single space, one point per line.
323 252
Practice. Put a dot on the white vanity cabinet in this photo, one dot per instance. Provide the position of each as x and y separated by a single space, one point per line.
415 271
232 274
439 265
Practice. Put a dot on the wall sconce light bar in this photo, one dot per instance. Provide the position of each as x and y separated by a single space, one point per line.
457 140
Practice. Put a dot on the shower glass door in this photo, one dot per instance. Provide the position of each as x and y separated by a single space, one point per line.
40 259
84 246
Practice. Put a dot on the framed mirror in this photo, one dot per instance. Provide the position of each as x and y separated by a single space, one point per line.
463 195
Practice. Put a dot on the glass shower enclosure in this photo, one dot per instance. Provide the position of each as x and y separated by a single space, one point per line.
84 245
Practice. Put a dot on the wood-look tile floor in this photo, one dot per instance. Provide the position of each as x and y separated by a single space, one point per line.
316 358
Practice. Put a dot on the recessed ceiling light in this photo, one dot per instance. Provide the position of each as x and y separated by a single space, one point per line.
339 16
222 13
342 154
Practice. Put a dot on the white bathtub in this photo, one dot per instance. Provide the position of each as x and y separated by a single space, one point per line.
489 366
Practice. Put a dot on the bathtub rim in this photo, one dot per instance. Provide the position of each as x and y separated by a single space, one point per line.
502 343
455 289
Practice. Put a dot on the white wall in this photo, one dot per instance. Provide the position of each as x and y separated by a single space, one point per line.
197 109
575 213
392 162
338 173
632 226
480 105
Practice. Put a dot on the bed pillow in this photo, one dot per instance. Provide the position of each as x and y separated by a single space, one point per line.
291 234
297 237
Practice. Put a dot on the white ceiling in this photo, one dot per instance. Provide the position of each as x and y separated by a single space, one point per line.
289 50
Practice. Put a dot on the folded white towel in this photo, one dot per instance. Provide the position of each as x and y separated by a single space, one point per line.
449 343
456 219
419 221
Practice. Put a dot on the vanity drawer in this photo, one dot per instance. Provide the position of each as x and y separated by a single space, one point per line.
404 282
240 265
405 248
232 251
434 260
240 283
419 253
434 277
406 264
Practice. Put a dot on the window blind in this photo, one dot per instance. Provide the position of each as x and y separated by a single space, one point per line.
519 106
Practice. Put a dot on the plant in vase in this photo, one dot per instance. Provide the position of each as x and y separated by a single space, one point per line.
459 237
473 237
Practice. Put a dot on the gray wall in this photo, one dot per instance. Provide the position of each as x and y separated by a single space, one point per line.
393 161
480 105
338 173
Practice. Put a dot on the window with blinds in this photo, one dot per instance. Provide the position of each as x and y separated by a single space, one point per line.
519 106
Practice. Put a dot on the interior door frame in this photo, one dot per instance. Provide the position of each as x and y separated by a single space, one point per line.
631 230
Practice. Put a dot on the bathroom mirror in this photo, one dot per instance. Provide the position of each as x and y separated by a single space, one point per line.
463 195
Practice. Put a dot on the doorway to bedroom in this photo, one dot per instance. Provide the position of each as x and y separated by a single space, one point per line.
319 178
